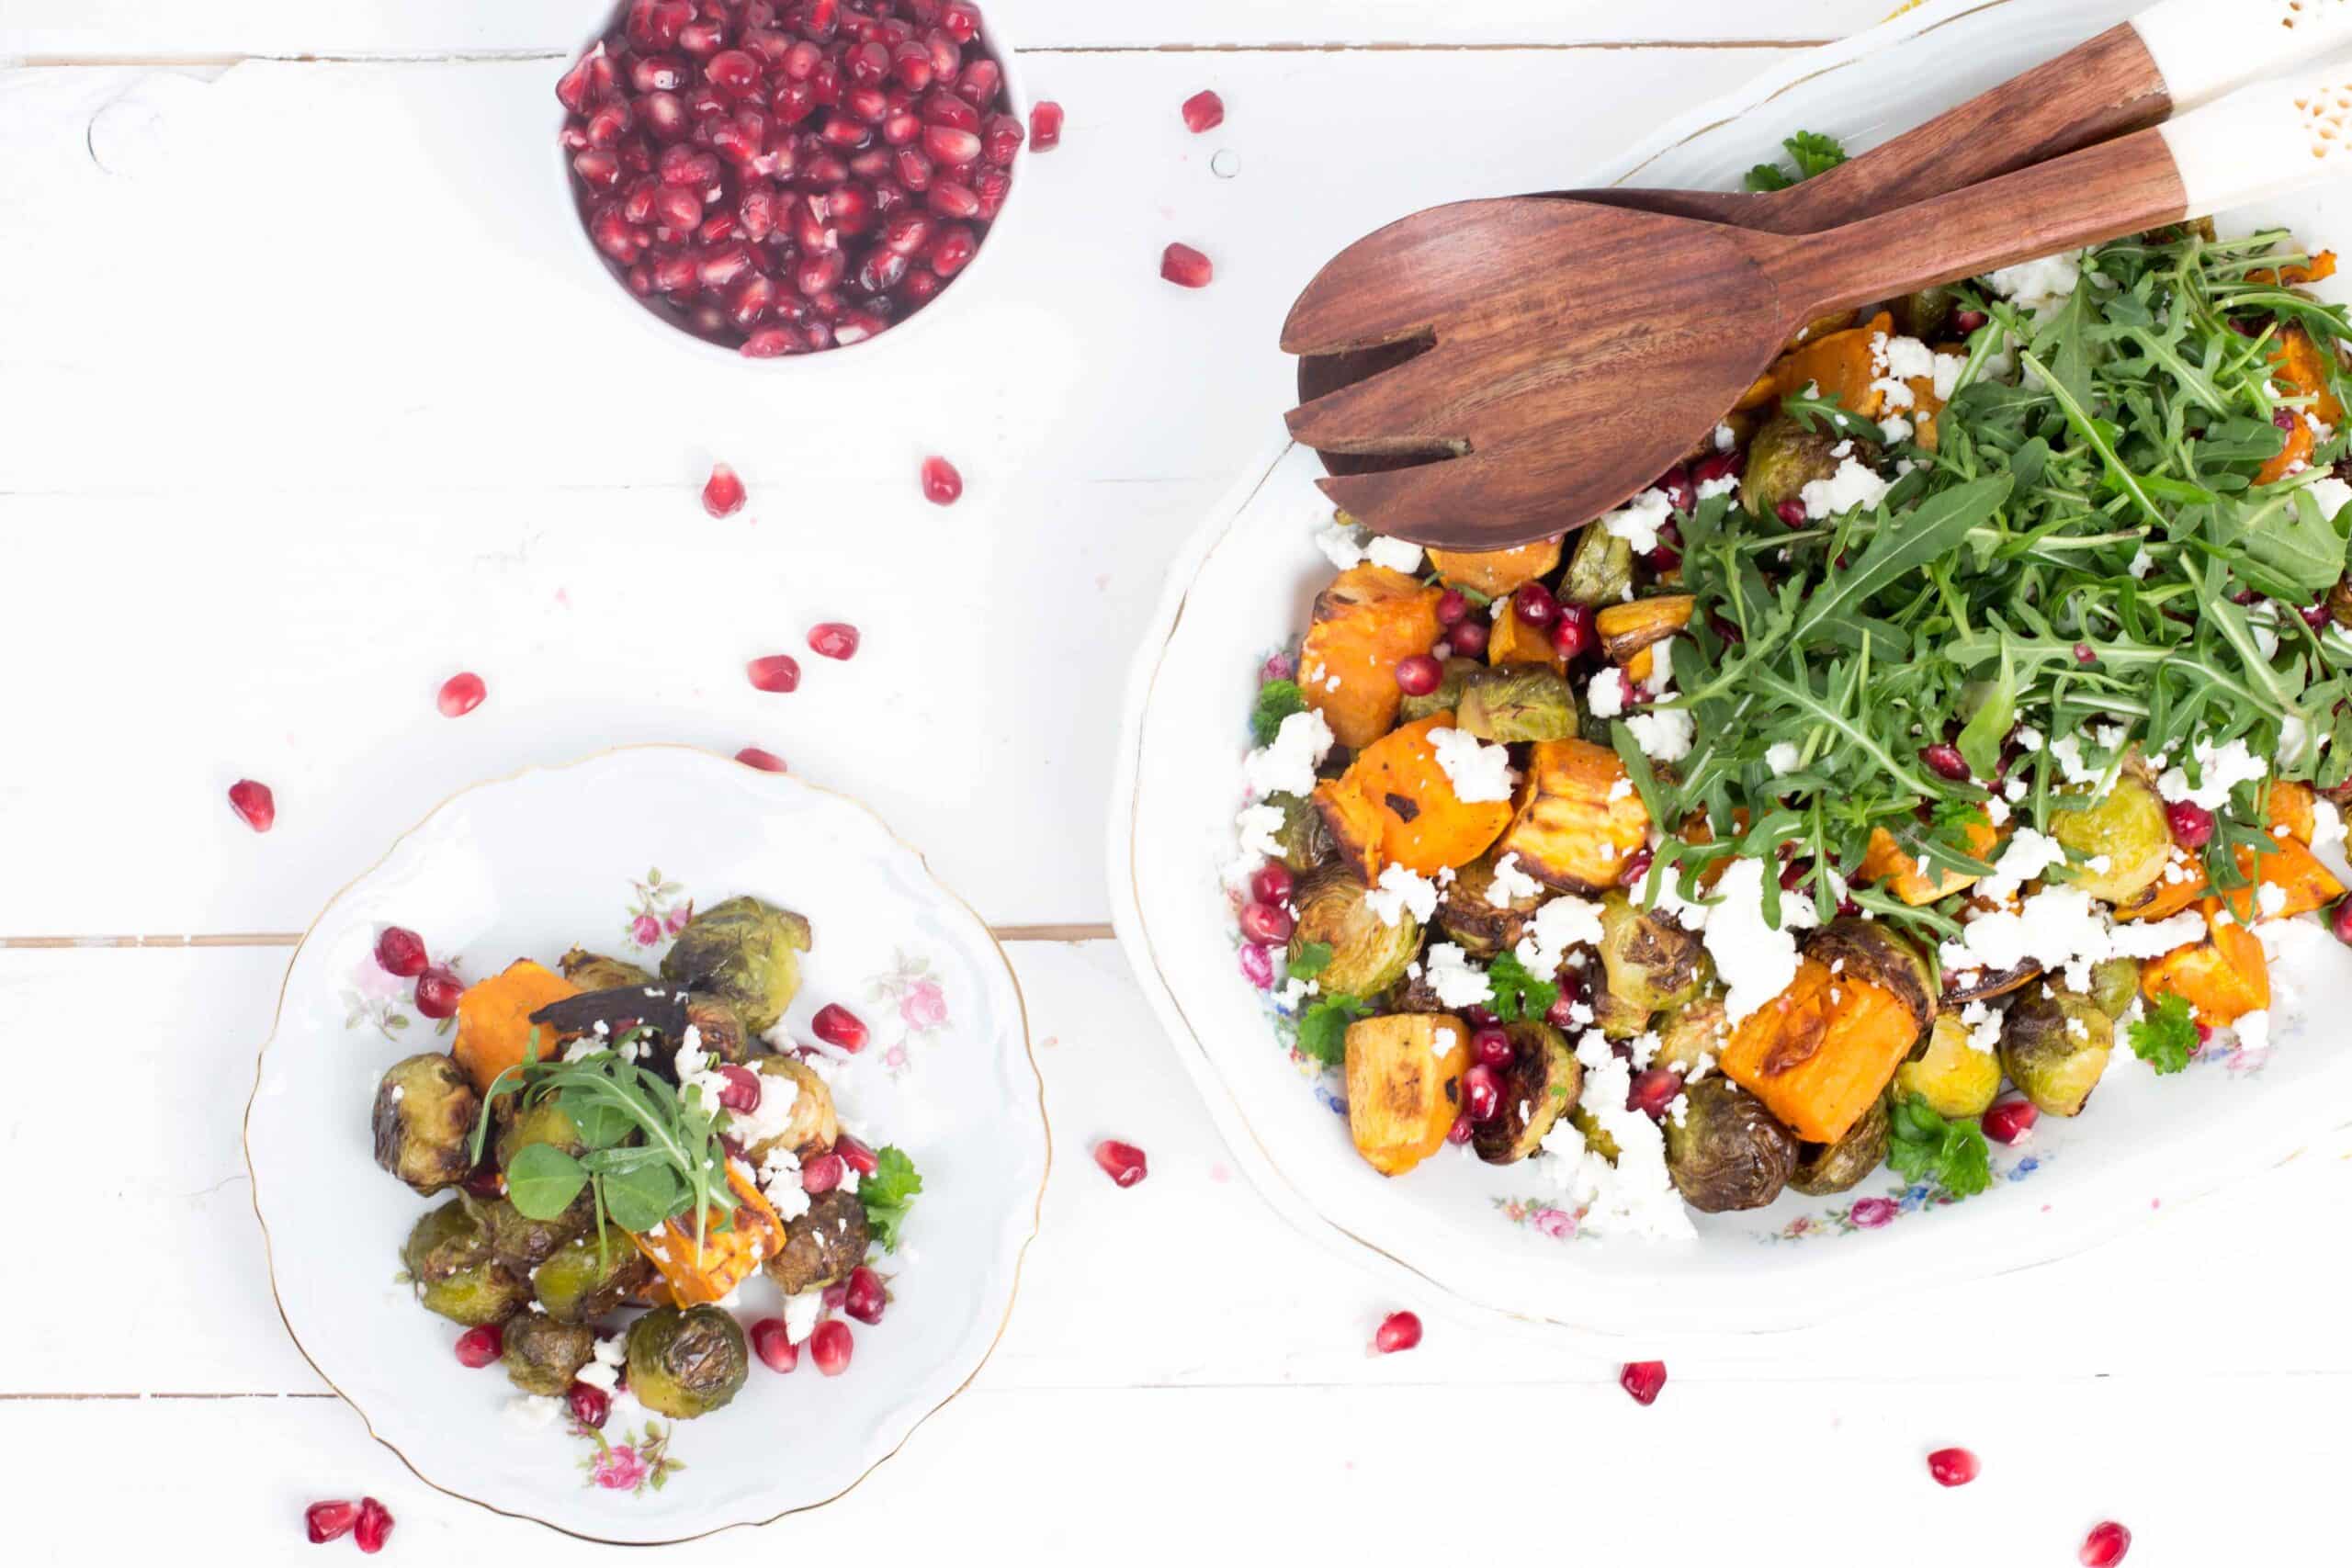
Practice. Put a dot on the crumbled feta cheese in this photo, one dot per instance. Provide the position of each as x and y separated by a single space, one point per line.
532 1411
1639 522
2037 286
2327 825
801 1314
1895 428
1511 886
1725 439
1341 544
2141 563
1396 554
1563 923
2271 900
1724 484
1478 771
1997 811
1605 698
1402 889
2028 856
1634 1196
1755 961
1854 486
1457 982
2254 1031
2332 494
1287 766
1665 735
2222 768
1782 757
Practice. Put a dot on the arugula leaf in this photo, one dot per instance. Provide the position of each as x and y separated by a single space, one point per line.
888 1195
1924 1147
1277 700
1312 959
2166 1038
2298 551
640 1197
1519 993
1987 730
542 1180
1323 1029
1932 529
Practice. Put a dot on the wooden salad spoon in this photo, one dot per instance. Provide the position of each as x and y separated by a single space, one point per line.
2176 56
1578 351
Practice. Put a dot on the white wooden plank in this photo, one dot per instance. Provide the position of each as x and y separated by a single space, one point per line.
113 28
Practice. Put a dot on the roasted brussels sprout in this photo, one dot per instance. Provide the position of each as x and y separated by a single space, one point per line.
718 1029
2054 1047
685 1364
545 1122
521 1243
1728 1152
1616 1017
2115 985
423 1122
594 972
1697 1029
744 952
1784 458
1480 927
2120 842
543 1354
1516 702
1948 1074
587 1278
1601 570
1540 1085
1448 695
1367 953
1865 948
823 1246
812 1120
448 1258
1926 313
1825 1168
1305 837
1650 961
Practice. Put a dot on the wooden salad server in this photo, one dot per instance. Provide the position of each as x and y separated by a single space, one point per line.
2176 56
1577 351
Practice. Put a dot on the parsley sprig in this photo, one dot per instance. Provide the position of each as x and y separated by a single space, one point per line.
1923 1145
888 1195
2166 1038
1810 154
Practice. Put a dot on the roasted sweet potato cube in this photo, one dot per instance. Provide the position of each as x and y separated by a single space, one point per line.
1497 573
1423 825
1886 862
1404 1086
1365 624
1517 640
2224 977
2286 864
1579 821
1630 628
1821 1051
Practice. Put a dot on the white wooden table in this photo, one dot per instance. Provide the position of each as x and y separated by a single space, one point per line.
298 417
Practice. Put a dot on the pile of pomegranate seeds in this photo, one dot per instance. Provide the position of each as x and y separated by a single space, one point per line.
461 693
400 953
1642 1380
1953 1467
368 1522
723 495
2105 1546
790 176
253 802
1123 1162
1397 1331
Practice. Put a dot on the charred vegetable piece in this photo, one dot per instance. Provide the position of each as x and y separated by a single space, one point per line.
1467 913
1844 365
1650 961
543 1354
1727 1152
813 1124
2115 985
1600 571
1367 953
1576 828
1404 1086
1352 825
685 1364
1629 629
1825 1168
719 1027
586 1277
2224 977
2294 807
1497 573
1819 1052
1541 1084
1306 841
544 1123
1365 624
1523 702
660 1007
2119 842
1454 673
449 1259
594 972
1424 825
823 1246
2300 368
1926 313
1950 1074
745 952
494 1026
710 1268
2054 1047
1693 1032
1984 985
1618 1019
423 1122
521 1243
1785 458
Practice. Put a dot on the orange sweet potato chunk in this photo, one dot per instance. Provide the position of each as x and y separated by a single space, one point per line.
495 1024
1365 624
1822 1051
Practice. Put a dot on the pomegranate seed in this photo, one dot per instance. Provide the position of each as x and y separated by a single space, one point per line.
962 20
2283 418
1469 639
1534 604
947 109
1204 111
477 1347
776 672
2011 1120
866 1297
772 1344
2317 616
1265 924
766 761
741 1094
1045 124
1479 1017
954 250
1186 267
2192 825
1946 763
1491 1047
942 485
856 1156
1453 608
1722 466
1419 675
1482 1094
1272 883
1653 1091
591 1406
1792 513
820 1174
1642 1380
1123 1162
1637 866
1967 322
330 1521
1578 633
438 990
400 951
253 802
2106 1545
1001 138
830 1347
1397 1331
1953 1467
1462 1132
2339 920
1680 493
374 1527
833 640
2085 654
949 145
839 1028
461 693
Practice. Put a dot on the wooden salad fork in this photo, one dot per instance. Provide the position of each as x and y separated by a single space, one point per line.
1577 351
2174 56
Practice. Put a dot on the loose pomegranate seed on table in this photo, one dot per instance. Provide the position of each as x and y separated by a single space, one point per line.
1123 1162
1204 111
374 1527
773 1346
461 694
2106 1545
330 1521
400 951
942 485
255 803
438 990
1186 267
775 673
766 761
1953 1467
1642 1380
480 1347
1397 1331
839 1028
722 494
1045 126
830 1347
833 640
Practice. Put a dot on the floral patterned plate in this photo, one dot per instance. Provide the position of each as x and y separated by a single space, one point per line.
1502 1237
613 853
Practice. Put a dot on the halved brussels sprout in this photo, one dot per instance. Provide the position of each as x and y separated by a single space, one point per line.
1540 1085
1479 927
1650 961
423 1122
448 1258
1448 695
543 1354
2054 1047
719 1027
1601 570
2115 985
1696 1029
2124 836
1947 1074
594 972
1785 458
1926 313
1727 1152
1367 953
545 1122
1825 1168
1616 1017
685 1364
745 952
823 1246
1514 703
521 1243
1305 837
1869 949
587 1278
813 1120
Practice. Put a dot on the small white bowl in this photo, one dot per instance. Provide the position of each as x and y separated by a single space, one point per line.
1013 101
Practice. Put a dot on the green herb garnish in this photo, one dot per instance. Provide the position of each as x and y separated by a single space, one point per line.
1810 153
1277 700
1923 1147
1311 959
888 1194
1323 1028
1517 992
2166 1038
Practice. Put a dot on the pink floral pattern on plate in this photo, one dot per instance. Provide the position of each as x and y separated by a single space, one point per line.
657 911
1542 1216
914 992
381 1001
632 1465
1875 1213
